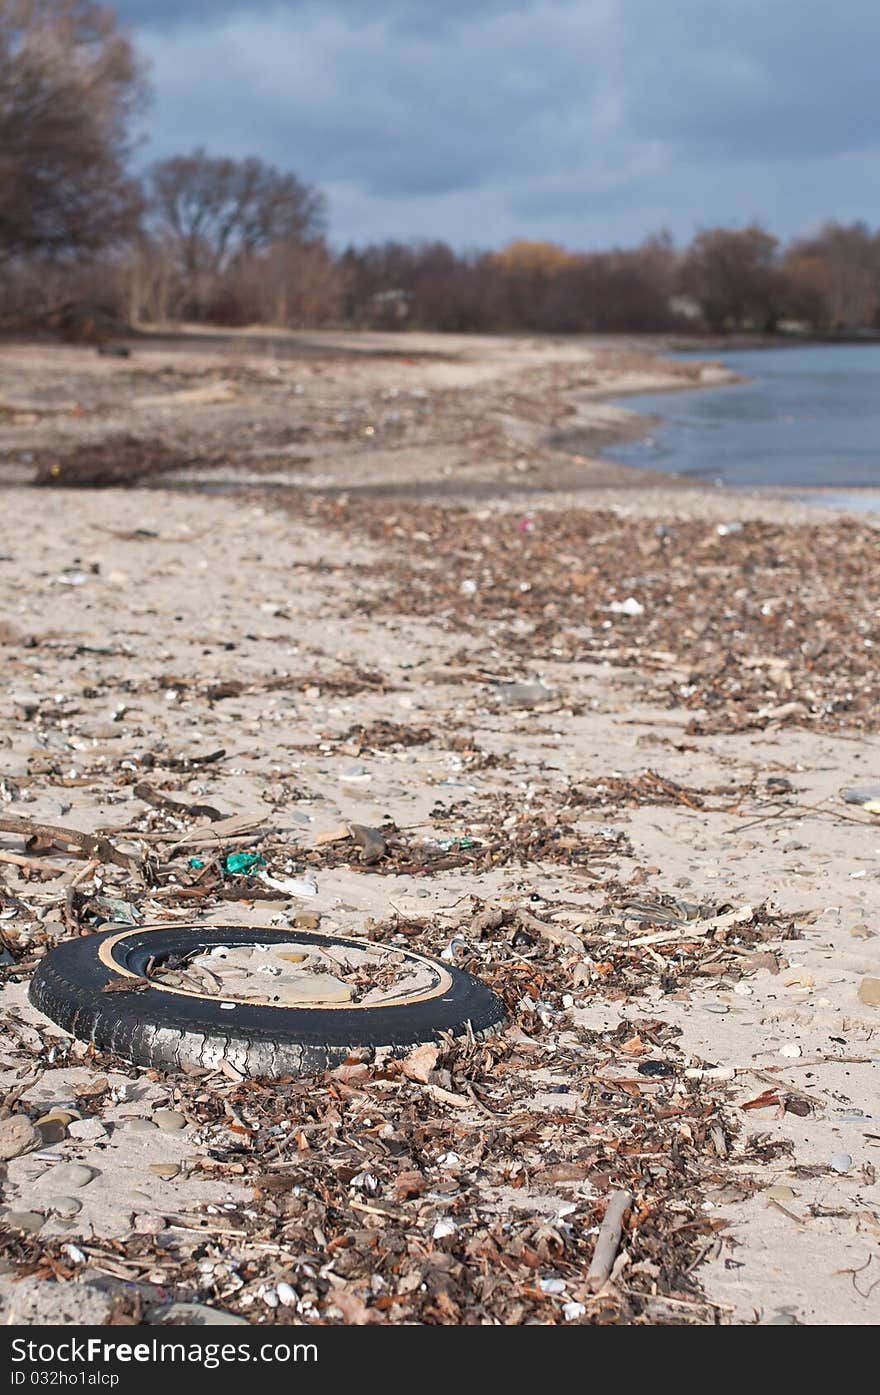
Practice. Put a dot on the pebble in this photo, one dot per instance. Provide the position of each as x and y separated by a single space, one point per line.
194 1315
72 1174
169 1119
149 1225
791 1050
524 694
840 1162
165 1170
140 1199
63 1116
717 1007
31 1221
140 1125
91 1129
780 1193
64 1206
17 1136
52 1131
869 992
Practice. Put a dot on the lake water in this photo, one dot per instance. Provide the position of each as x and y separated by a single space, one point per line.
808 418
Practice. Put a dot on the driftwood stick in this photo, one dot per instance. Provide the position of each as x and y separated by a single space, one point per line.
608 1239
69 840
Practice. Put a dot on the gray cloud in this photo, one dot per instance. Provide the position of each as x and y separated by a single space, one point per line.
588 121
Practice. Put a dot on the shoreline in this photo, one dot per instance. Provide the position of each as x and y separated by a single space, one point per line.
571 695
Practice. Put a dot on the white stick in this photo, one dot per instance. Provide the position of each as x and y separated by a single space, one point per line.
608 1239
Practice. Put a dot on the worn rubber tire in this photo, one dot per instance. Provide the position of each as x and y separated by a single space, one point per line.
154 1026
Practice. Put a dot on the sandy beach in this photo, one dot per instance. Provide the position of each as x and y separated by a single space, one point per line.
392 581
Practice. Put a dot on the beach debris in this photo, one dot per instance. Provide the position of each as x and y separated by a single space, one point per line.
244 862
608 1239
291 886
112 908
630 607
38 836
160 800
370 841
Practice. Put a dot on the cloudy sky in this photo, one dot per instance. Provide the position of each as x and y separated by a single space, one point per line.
591 122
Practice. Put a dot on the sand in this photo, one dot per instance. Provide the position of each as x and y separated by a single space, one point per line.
129 588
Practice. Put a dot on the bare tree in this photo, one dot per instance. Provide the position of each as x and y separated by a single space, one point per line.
69 86
845 262
735 277
216 210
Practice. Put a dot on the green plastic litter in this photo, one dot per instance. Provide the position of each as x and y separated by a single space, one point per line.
243 862
447 843
196 862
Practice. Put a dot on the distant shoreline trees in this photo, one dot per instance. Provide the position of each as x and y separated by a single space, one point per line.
237 242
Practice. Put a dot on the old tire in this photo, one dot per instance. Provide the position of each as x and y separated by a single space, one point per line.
158 1026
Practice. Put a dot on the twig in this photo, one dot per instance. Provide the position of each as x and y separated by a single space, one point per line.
777 1206
608 1239
36 864
69 839
784 1085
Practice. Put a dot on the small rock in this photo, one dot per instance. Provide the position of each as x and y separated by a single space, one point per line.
140 1199
63 1116
40 1303
169 1119
72 1175
791 1050
165 1170
193 1315
149 1225
717 1007
52 1131
64 1206
90 1129
864 795
523 694
17 1136
317 988
31 1221
780 1193
869 992
307 920
840 1162
140 1125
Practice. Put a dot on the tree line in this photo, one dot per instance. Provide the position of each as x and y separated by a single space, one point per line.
235 242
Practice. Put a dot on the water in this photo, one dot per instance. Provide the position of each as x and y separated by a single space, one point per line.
808 418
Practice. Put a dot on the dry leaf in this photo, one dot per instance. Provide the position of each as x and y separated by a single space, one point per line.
419 1063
